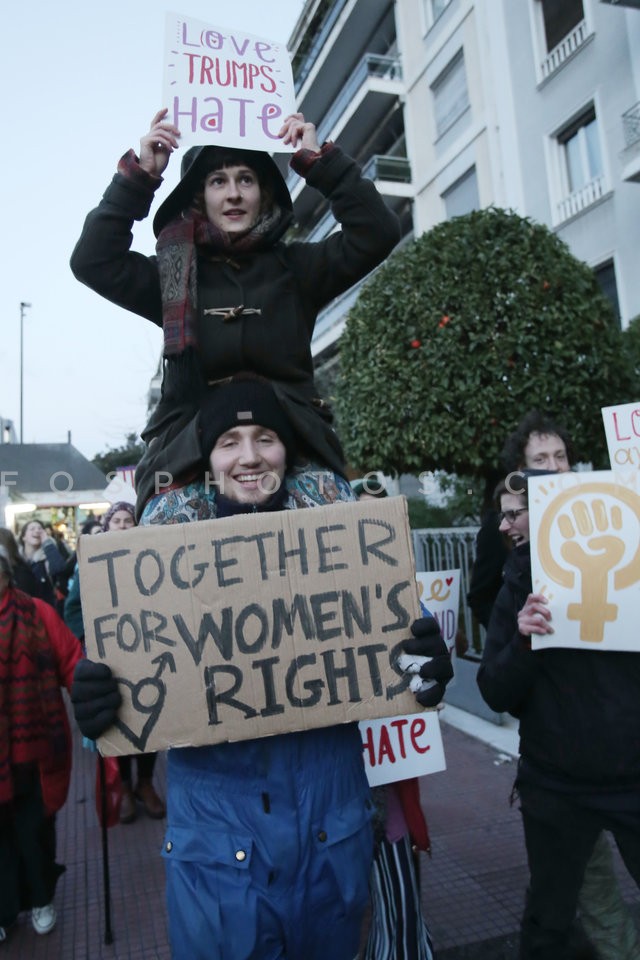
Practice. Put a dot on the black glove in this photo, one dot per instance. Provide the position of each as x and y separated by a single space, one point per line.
95 698
427 641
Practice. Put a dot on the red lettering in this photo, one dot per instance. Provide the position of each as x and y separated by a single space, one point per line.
418 727
386 750
399 724
368 745
634 414
271 86
205 70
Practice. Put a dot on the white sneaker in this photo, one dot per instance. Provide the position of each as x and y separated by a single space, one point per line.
44 919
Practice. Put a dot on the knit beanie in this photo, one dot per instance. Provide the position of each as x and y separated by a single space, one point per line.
114 508
243 401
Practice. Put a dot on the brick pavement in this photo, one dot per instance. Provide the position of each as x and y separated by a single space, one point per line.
472 886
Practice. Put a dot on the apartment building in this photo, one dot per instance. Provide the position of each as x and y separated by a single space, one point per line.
453 105
349 81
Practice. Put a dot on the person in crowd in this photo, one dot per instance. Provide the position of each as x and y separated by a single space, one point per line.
578 774
540 442
537 443
228 292
275 796
42 555
72 613
121 516
400 831
23 576
37 657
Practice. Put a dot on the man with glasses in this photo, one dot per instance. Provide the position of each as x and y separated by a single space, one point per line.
537 443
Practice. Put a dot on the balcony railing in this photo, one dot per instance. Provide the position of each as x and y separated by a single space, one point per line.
631 125
581 199
452 548
383 167
565 49
370 67
302 70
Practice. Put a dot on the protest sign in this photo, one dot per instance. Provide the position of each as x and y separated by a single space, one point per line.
397 748
585 557
252 625
226 87
439 595
622 429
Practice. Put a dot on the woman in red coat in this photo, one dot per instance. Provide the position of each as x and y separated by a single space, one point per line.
38 654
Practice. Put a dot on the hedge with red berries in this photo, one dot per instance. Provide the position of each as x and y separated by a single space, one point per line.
464 330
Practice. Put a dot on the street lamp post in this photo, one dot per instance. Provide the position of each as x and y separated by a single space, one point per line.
23 307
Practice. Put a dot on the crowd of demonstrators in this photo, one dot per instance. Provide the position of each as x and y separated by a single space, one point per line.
228 292
244 818
573 782
42 555
37 657
231 296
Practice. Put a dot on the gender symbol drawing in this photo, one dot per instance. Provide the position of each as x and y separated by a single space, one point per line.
598 526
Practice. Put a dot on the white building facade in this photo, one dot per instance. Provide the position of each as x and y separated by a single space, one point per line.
453 105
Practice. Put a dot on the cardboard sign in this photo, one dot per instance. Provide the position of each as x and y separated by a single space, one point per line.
398 748
585 557
253 625
226 86
622 429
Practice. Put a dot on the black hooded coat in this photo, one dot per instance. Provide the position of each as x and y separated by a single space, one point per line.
281 288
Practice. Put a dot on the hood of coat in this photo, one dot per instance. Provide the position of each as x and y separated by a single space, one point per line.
196 164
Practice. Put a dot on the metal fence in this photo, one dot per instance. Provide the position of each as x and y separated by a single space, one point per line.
452 548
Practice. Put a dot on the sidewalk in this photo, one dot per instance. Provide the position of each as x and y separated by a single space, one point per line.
472 886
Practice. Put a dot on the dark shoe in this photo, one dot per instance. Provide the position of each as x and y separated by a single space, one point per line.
153 805
128 811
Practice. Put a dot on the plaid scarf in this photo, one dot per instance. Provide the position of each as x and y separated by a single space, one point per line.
177 248
32 727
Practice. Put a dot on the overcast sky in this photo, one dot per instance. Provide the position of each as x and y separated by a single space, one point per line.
80 84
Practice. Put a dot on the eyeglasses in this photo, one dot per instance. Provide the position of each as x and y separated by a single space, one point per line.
511 515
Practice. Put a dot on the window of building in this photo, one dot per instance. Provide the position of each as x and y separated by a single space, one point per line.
581 148
462 196
606 277
450 94
560 18
577 171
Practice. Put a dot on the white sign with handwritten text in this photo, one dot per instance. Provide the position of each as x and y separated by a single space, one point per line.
226 87
622 429
397 748
439 595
